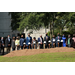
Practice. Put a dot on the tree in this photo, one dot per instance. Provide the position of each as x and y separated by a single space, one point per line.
35 20
14 20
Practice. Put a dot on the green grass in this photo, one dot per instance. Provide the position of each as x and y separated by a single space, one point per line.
45 57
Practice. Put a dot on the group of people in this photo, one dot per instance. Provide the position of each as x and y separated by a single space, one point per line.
29 43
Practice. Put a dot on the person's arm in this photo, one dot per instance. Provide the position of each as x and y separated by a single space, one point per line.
31 40
20 42
26 42
71 43
42 40
55 39
6 42
38 39
52 40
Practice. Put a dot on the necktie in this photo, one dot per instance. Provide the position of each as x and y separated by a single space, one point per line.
58 37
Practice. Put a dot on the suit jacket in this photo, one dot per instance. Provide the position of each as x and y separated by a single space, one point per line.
27 40
57 39
22 40
2 42
40 40
46 39
13 44
8 42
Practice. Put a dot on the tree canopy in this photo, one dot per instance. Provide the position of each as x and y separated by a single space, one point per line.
35 20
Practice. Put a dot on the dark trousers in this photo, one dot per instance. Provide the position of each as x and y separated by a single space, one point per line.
29 46
3 50
46 46
41 46
13 49
21 47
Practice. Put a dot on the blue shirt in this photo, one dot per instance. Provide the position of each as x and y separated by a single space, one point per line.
28 39
22 41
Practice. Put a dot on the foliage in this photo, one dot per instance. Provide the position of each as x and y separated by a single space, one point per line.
35 20
14 20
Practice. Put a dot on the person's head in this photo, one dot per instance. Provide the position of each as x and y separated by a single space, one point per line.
53 36
13 38
21 36
28 35
73 35
63 35
46 34
34 38
1 38
58 34
68 36
17 38
8 36
41 36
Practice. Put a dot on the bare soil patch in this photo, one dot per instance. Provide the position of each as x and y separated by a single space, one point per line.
38 51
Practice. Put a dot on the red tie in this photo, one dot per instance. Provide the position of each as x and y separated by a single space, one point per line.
58 37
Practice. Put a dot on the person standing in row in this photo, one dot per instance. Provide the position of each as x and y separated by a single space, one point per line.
22 41
17 43
8 43
58 40
13 44
73 41
69 41
40 40
64 41
29 42
46 39
53 41
2 45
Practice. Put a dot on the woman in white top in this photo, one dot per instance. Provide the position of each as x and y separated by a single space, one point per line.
17 43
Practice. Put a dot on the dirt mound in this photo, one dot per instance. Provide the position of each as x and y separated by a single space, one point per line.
38 51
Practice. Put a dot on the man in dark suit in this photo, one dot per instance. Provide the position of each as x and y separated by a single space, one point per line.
8 43
2 45
46 39
22 41
40 40
58 40
29 42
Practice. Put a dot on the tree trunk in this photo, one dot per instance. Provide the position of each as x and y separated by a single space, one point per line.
60 31
52 28
50 31
45 30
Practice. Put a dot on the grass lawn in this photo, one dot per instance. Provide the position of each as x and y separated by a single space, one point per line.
45 57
